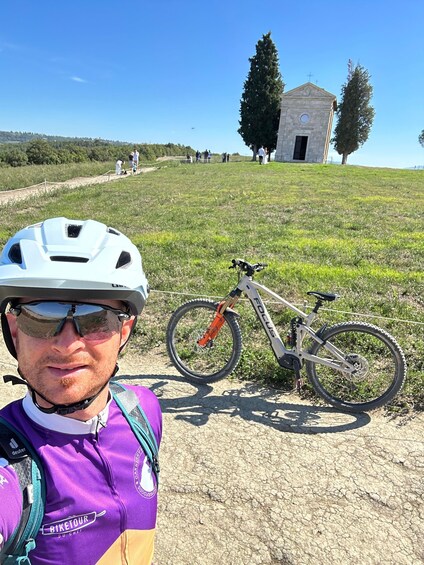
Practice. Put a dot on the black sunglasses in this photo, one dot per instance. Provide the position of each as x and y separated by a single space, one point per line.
46 319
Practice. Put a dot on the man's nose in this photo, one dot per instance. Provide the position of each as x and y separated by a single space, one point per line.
68 337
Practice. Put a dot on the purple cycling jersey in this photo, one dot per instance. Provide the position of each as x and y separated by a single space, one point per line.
101 499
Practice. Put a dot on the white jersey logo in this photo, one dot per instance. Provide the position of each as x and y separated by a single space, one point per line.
70 524
143 475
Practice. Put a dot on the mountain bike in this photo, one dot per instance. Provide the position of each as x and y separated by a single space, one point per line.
354 366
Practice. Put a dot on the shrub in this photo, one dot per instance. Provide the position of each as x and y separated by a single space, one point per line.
40 152
14 156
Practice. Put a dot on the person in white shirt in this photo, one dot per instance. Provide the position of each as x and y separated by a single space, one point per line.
135 159
261 154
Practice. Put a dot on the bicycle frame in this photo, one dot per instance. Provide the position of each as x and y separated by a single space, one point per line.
249 287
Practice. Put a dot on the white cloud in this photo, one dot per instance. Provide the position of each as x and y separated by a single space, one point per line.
78 79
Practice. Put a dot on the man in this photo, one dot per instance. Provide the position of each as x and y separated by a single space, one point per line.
261 154
70 292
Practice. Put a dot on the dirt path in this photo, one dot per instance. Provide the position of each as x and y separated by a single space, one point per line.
43 188
252 476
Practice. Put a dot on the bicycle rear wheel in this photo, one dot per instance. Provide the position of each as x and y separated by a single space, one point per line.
379 362
214 361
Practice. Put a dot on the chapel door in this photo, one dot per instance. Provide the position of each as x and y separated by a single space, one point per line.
300 145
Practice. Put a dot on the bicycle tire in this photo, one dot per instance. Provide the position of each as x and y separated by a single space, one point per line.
202 364
381 368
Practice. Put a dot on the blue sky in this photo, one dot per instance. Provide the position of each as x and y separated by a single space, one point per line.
173 71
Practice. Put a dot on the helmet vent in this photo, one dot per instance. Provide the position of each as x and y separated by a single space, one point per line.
68 259
111 230
15 254
73 230
124 259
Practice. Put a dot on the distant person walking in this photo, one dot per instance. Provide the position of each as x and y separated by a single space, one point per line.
198 156
130 160
118 167
261 154
136 157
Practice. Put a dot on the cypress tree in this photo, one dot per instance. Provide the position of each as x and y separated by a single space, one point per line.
261 99
354 114
421 138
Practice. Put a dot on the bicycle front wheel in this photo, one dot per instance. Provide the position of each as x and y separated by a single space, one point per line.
380 367
215 360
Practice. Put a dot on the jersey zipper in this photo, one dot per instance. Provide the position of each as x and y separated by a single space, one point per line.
115 494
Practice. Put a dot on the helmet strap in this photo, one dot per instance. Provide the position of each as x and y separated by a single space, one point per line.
130 334
7 336
60 409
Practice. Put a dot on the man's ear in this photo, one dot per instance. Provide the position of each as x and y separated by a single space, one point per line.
127 329
13 326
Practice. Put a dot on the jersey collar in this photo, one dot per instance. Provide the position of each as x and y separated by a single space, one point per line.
63 424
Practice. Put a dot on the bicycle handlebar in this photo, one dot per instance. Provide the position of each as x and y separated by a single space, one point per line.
246 267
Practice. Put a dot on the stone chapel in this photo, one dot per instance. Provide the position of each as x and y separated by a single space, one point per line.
306 120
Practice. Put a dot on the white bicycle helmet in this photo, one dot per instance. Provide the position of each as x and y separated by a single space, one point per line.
72 260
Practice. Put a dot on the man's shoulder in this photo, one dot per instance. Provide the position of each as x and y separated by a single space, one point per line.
146 398
150 406
12 412
143 393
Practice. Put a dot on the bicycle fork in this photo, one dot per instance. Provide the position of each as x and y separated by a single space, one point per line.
214 327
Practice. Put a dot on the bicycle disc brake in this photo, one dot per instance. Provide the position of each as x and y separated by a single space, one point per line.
360 365
208 345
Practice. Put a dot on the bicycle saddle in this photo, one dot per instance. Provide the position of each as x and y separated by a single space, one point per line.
326 296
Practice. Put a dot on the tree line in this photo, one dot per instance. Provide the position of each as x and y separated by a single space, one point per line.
25 136
40 151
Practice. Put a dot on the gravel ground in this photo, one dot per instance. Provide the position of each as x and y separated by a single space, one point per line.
253 476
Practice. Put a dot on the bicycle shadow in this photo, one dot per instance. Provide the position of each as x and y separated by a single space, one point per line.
250 401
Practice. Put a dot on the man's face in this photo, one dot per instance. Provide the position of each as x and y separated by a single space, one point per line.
68 368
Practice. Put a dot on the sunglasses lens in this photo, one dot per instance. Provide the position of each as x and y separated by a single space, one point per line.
41 320
44 320
95 322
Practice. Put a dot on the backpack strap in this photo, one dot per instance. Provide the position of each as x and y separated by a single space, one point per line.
130 407
29 470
